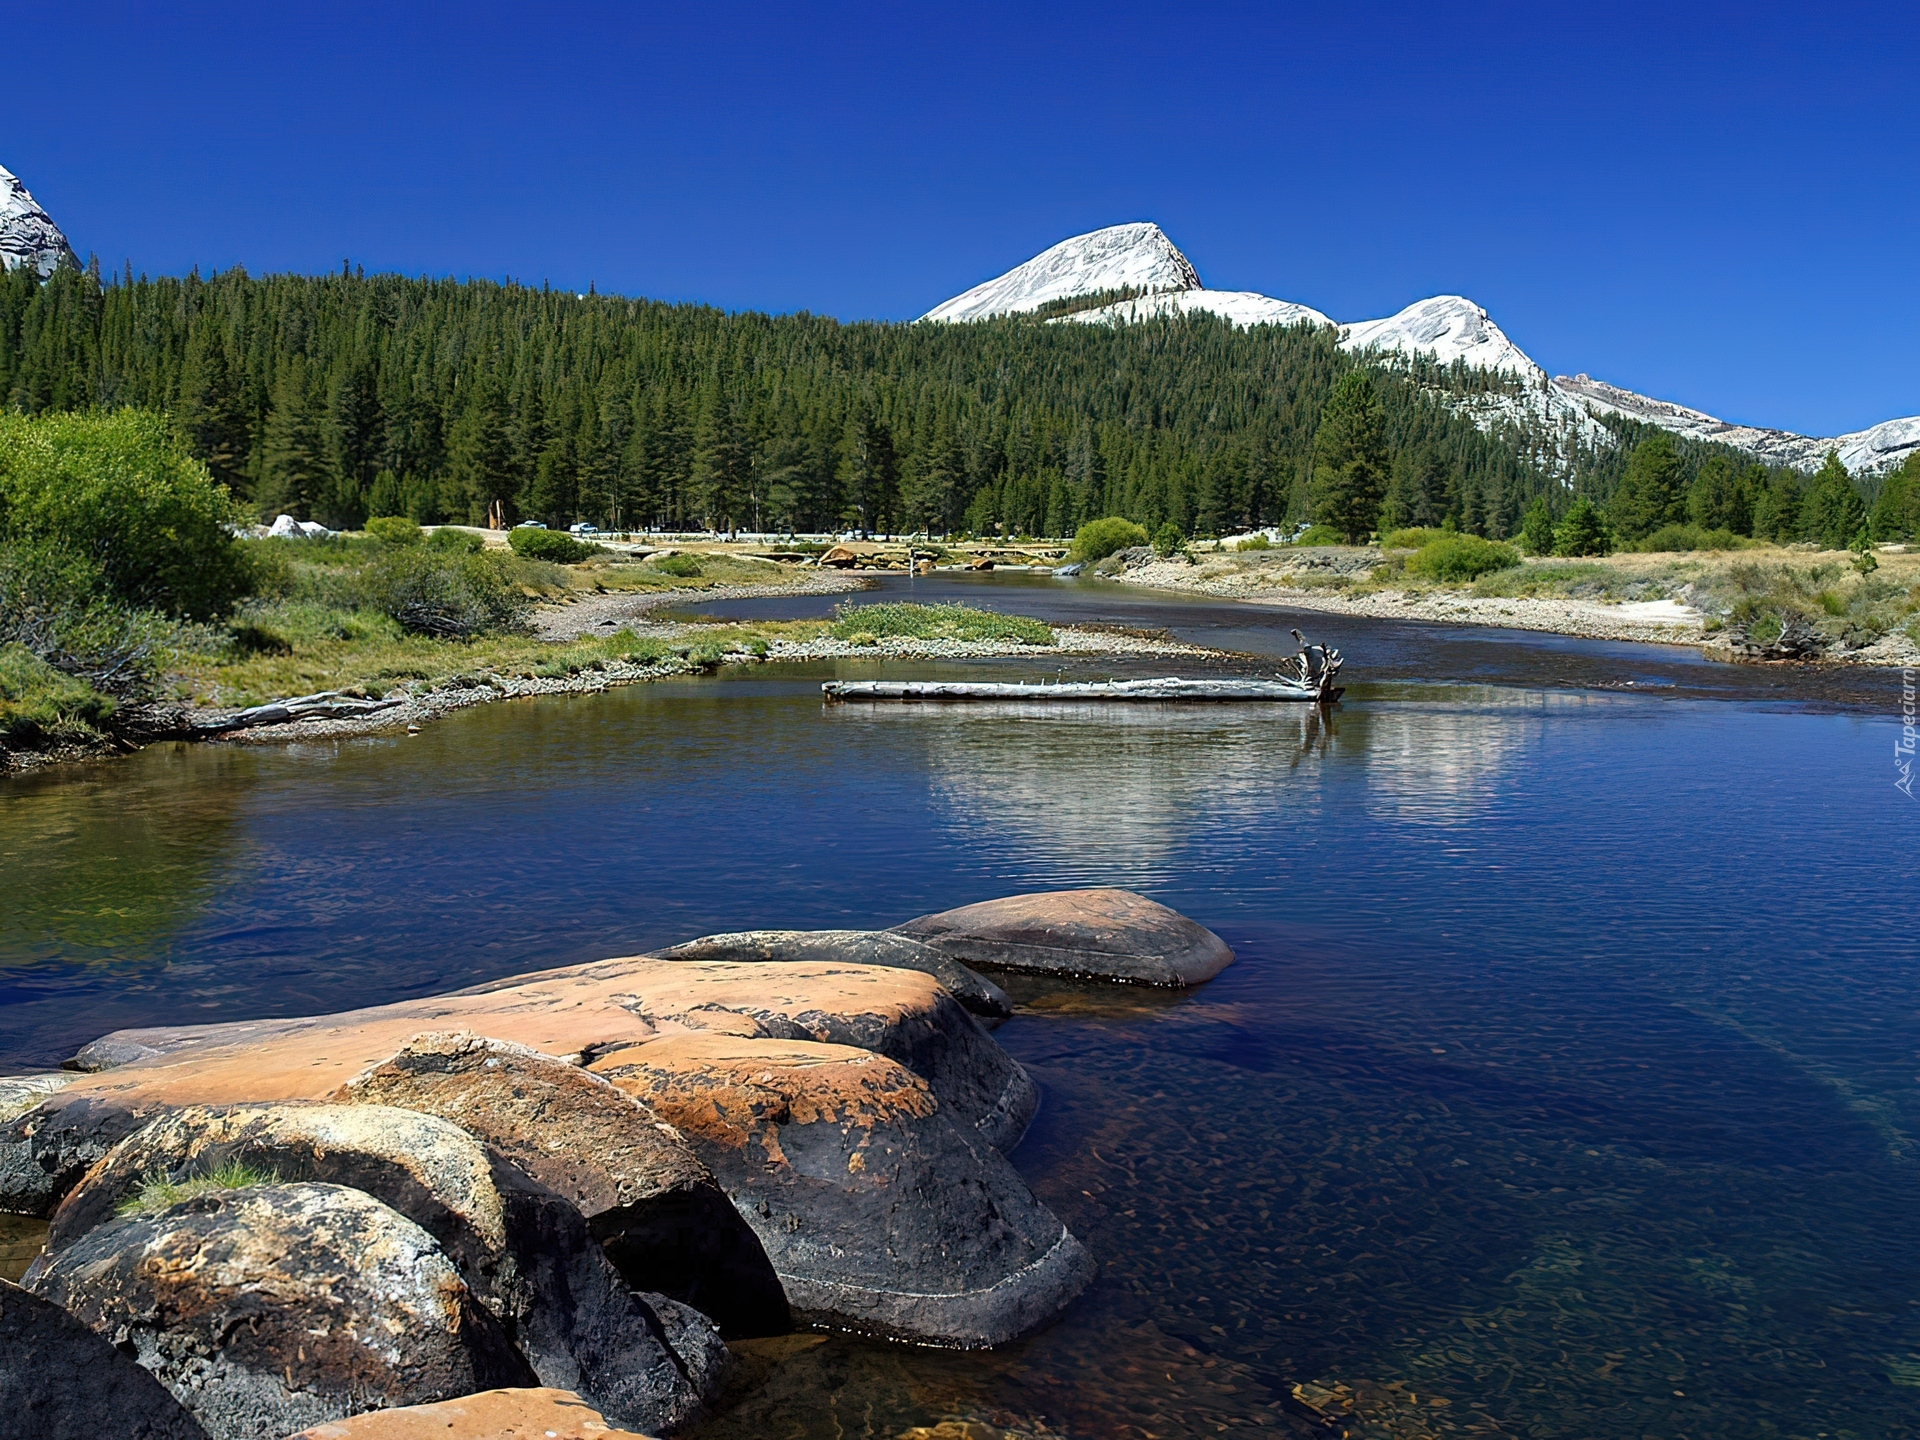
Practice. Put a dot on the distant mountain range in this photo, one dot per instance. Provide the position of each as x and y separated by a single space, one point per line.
28 235
1131 272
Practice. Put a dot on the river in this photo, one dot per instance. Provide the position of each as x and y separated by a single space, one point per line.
1565 1084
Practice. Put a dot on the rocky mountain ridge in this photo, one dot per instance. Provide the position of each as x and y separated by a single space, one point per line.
1560 412
28 235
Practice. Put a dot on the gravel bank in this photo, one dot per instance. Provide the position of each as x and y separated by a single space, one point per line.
604 614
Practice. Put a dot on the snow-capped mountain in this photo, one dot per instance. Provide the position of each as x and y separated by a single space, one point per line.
1559 413
28 235
1121 257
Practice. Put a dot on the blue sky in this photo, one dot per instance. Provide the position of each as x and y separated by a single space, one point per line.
1712 204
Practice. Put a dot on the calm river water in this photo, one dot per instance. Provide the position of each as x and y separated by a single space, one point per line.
1567 1084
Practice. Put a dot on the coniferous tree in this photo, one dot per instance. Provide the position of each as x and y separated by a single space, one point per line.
1718 498
720 465
1832 511
1349 458
482 457
1536 530
1776 508
294 470
1650 493
1583 531
211 413
1896 509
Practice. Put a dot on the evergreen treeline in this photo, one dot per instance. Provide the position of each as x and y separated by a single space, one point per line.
340 396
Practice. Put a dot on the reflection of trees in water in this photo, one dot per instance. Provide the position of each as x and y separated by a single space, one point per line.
1111 792
108 867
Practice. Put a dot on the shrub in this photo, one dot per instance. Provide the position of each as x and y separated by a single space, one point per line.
550 545
1536 530
1670 538
1408 539
448 595
121 493
1461 557
463 541
1254 542
394 530
1097 539
1582 532
1319 535
38 702
51 606
1168 541
684 567
935 622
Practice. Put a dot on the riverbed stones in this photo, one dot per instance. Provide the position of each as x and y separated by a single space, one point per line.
646 1197
270 1308
59 1379
850 947
544 1414
524 1251
1100 934
879 1212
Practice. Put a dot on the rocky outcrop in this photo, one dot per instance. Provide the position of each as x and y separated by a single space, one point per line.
270 1308
28 236
525 1252
1103 934
851 947
879 1212
646 1197
59 1379
490 1415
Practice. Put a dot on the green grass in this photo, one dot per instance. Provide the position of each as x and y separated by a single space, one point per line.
936 622
157 1192
39 703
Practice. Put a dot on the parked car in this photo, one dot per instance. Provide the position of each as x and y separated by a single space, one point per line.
581 527
531 525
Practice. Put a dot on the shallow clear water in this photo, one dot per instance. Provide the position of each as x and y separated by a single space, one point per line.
1569 1073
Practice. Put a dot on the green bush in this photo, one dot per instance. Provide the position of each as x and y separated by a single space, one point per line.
51 605
935 622
550 545
683 567
463 541
1689 537
1536 529
394 530
121 493
448 595
1582 532
1411 538
1097 539
1168 541
38 702
1320 535
1461 557
1254 542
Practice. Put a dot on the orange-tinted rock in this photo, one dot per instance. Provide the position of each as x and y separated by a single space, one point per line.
490 1415
1102 934
851 947
647 1198
878 1211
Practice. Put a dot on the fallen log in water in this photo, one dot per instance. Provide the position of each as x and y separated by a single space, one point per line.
1170 688
327 705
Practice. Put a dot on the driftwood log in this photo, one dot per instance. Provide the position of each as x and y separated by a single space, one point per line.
327 705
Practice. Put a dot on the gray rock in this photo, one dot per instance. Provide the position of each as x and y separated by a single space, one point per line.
58 1380
663 1219
1102 934
45 1150
525 1252
852 947
271 1308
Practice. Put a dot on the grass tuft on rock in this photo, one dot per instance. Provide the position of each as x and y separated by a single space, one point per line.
158 1192
935 622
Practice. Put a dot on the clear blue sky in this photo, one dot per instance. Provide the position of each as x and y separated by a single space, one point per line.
1713 204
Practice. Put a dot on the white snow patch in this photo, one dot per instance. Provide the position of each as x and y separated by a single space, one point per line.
1121 257
1240 307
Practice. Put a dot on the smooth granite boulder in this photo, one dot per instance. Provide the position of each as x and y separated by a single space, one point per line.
646 1197
1102 934
58 1379
850 947
524 1251
490 1415
879 1212
271 1308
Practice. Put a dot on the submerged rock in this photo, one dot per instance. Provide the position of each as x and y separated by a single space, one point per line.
525 1252
59 1379
271 1308
1103 934
646 1197
490 1415
878 1211
851 947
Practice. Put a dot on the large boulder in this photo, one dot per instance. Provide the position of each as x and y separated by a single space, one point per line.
270 1308
879 1212
850 947
525 1252
490 1415
1102 934
646 1197
59 1379
45 1149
